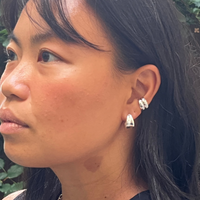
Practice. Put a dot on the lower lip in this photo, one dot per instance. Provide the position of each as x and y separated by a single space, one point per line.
11 128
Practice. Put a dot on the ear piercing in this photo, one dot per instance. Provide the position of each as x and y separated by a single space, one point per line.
129 120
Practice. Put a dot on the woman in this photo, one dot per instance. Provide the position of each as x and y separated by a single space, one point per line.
100 100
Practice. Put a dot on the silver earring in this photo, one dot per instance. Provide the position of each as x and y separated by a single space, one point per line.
146 105
129 122
142 107
143 104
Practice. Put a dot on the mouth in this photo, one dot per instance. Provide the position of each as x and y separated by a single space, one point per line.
10 123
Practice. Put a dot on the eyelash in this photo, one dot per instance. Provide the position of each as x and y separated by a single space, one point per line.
11 56
49 54
9 53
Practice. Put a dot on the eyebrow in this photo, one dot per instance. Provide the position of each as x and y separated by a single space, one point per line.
12 36
47 35
36 39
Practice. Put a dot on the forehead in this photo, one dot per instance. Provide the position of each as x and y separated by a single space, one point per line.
77 13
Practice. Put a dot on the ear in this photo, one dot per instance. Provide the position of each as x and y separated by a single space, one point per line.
142 83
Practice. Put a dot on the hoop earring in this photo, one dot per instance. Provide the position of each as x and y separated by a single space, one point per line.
143 104
129 122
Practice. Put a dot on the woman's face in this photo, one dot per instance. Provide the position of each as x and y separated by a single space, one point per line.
69 96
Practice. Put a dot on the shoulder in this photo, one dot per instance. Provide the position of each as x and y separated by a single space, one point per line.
13 195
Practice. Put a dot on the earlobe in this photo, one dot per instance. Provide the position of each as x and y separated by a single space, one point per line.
132 109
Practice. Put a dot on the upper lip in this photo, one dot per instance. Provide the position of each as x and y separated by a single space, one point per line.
7 116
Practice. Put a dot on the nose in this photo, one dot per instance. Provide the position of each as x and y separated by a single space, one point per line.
14 85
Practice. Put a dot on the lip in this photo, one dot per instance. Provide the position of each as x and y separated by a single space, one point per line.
9 123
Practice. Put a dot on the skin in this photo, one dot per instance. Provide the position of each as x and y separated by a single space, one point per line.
75 108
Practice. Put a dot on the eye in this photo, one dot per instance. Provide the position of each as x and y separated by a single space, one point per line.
11 55
46 56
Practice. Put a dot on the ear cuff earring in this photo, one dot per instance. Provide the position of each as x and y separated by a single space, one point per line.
129 120
143 104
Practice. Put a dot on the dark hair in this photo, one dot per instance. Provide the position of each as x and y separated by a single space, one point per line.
165 151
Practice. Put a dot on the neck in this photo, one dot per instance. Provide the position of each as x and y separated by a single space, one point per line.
104 174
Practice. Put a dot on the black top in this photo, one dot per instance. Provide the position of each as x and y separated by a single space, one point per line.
141 196
21 196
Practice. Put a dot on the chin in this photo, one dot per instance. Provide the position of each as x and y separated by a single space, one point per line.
20 159
20 154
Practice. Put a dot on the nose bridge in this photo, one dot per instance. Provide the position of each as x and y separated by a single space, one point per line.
15 82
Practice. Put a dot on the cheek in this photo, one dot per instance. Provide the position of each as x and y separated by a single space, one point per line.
70 102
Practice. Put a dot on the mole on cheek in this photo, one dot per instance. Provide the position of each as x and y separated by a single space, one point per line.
93 164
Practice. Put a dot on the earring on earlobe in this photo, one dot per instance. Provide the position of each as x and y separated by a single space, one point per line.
129 122
143 104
